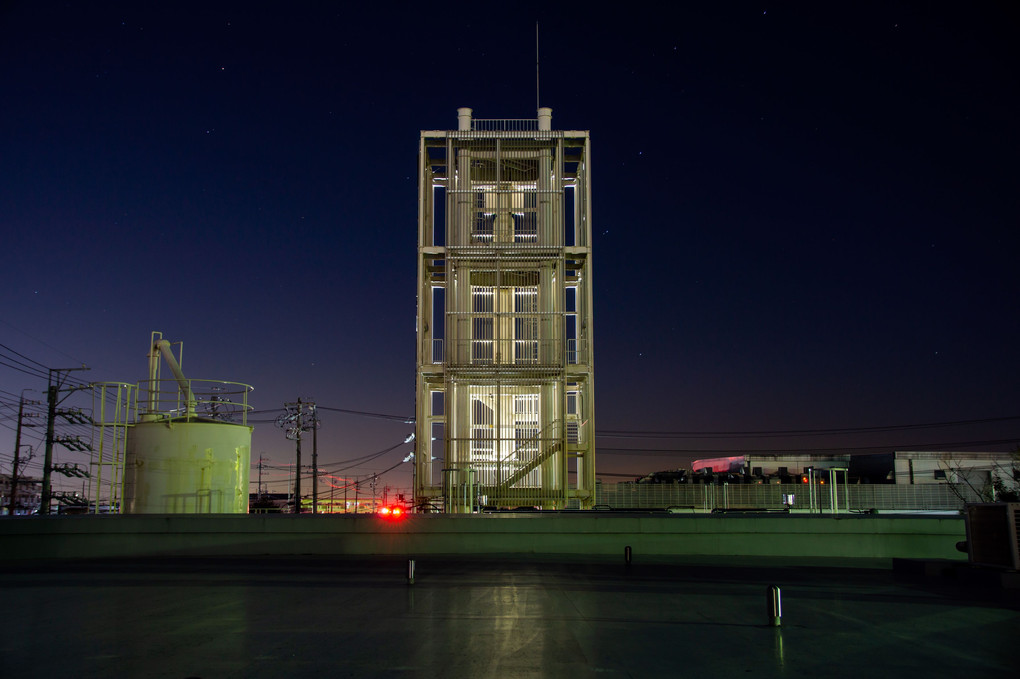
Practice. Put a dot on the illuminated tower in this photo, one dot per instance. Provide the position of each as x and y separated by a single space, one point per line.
504 412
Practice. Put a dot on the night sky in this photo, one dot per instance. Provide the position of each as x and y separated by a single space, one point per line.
805 214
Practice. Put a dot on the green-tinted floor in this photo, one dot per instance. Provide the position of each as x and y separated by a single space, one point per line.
328 617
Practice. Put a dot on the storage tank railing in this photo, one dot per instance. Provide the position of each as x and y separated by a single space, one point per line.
213 399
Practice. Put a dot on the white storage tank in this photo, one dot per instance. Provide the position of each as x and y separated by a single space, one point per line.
189 451
187 466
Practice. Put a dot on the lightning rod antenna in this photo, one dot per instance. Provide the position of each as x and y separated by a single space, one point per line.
538 100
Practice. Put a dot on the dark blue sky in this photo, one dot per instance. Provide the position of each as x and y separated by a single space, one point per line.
805 215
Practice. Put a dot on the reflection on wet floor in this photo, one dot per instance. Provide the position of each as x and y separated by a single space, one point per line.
279 616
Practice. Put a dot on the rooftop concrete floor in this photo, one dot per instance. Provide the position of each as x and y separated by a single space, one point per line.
514 617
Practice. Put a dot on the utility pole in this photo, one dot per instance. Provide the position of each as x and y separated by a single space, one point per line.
290 487
315 460
52 392
295 423
260 476
51 399
17 451
13 499
297 463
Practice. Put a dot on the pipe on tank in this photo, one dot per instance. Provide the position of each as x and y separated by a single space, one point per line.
464 119
153 373
163 347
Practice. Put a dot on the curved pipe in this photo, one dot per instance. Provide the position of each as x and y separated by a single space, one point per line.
163 347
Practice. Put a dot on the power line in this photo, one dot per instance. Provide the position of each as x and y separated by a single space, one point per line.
38 374
23 356
34 437
382 416
377 475
797 432
844 449
49 346
18 396
21 370
31 370
339 466
643 433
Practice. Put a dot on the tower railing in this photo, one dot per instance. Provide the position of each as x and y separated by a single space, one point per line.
512 352
575 352
504 124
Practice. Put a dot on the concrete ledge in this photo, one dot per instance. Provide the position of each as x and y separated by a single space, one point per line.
945 572
581 533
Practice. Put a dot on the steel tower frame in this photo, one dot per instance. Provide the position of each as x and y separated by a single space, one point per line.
505 380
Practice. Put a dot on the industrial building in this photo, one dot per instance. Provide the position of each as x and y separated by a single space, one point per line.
27 499
504 401
769 465
977 469
888 482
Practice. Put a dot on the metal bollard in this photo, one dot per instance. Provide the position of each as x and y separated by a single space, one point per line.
626 555
774 603
410 571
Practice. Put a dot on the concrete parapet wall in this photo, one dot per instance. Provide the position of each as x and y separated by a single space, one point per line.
592 533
